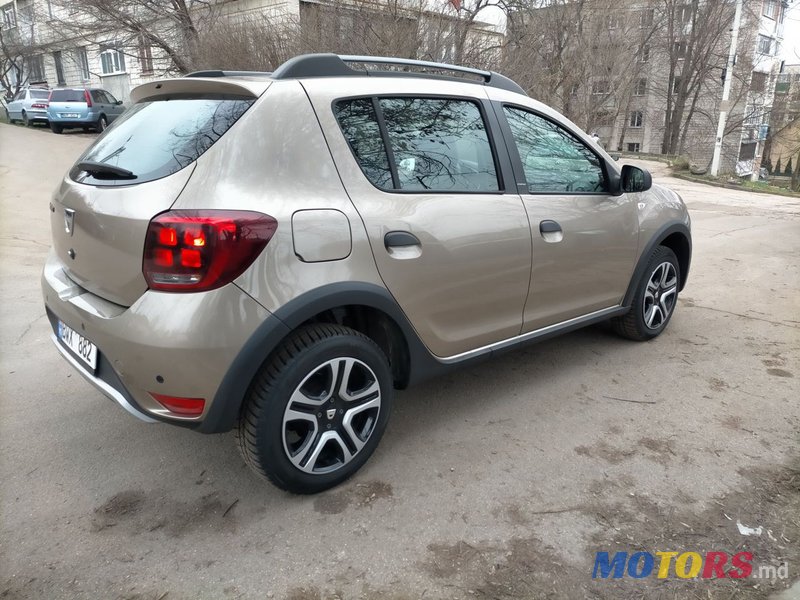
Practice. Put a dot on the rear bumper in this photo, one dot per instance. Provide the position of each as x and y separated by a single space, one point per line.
37 115
81 121
173 344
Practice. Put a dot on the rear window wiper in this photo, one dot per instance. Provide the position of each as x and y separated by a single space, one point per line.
104 170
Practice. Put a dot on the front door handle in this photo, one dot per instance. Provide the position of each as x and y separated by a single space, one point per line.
551 231
549 227
399 239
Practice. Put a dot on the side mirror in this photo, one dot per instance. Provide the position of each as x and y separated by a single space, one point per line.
634 179
118 102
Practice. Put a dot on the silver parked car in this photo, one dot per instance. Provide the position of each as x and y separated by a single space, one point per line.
82 108
276 253
29 105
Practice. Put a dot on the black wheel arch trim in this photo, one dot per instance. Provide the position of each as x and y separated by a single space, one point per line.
225 409
656 239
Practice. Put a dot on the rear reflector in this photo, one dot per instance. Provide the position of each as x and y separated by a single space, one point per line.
185 407
200 250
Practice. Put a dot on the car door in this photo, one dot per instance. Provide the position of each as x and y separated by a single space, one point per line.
584 238
114 109
15 106
450 244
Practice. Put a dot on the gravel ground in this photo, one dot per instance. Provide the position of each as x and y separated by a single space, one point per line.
497 481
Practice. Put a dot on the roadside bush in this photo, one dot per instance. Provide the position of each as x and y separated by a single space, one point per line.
680 163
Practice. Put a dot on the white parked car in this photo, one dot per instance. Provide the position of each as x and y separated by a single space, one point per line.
29 105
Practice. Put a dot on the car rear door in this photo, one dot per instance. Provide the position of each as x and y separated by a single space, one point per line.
450 242
114 110
584 238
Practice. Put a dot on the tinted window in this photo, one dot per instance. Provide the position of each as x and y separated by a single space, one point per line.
109 98
67 96
553 159
360 127
439 145
156 139
97 96
40 94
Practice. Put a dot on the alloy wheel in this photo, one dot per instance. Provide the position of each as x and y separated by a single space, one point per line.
660 295
331 415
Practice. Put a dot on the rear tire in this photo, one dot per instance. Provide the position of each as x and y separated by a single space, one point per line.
101 124
655 299
25 120
317 409
56 128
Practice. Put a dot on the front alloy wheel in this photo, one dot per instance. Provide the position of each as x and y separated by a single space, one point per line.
654 300
317 409
660 295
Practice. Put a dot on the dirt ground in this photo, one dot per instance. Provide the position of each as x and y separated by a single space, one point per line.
498 481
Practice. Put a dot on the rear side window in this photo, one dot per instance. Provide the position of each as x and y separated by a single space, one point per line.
67 96
155 139
40 94
360 127
434 144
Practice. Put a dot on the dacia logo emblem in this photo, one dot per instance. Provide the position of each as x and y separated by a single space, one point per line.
331 413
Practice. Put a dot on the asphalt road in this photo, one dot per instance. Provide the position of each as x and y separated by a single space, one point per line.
498 481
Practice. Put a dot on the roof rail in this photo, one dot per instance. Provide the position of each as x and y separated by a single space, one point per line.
220 73
334 65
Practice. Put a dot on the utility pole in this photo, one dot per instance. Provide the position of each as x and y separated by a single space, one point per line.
726 90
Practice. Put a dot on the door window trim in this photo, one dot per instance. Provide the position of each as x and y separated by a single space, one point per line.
516 160
489 126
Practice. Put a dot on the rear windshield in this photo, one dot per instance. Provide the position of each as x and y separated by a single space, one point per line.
67 96
155 139
40 94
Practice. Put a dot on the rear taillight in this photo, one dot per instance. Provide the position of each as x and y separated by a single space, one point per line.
88 97
198 250
39 105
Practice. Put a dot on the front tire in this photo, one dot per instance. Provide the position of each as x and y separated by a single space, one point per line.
655 298
317 409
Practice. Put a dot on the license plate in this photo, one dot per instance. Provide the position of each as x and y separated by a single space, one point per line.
68 115
83 348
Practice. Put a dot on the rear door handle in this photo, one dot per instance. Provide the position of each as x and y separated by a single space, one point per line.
399 239
549 227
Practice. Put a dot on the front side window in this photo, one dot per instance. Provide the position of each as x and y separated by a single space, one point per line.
554 160
437 144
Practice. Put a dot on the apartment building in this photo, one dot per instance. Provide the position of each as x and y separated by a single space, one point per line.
783 141
63 48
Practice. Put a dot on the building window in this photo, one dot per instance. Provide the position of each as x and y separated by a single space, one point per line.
82 60
764 45
612 21
752 116
633 146
636 118
684 13
646 17
604 118
758 82
676 85
770 9
644 54
679 49
9 17
112 60
145 56
59 68
35 66
601 87
640 88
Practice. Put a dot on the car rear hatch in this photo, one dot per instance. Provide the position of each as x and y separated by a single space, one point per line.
68 104
134 171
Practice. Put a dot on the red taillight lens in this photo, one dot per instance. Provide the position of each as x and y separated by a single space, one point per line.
185 407
199 250
88 97
38 105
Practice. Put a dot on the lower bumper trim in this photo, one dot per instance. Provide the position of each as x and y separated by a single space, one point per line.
100 384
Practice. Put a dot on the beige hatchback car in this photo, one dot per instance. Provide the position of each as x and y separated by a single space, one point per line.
275 253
